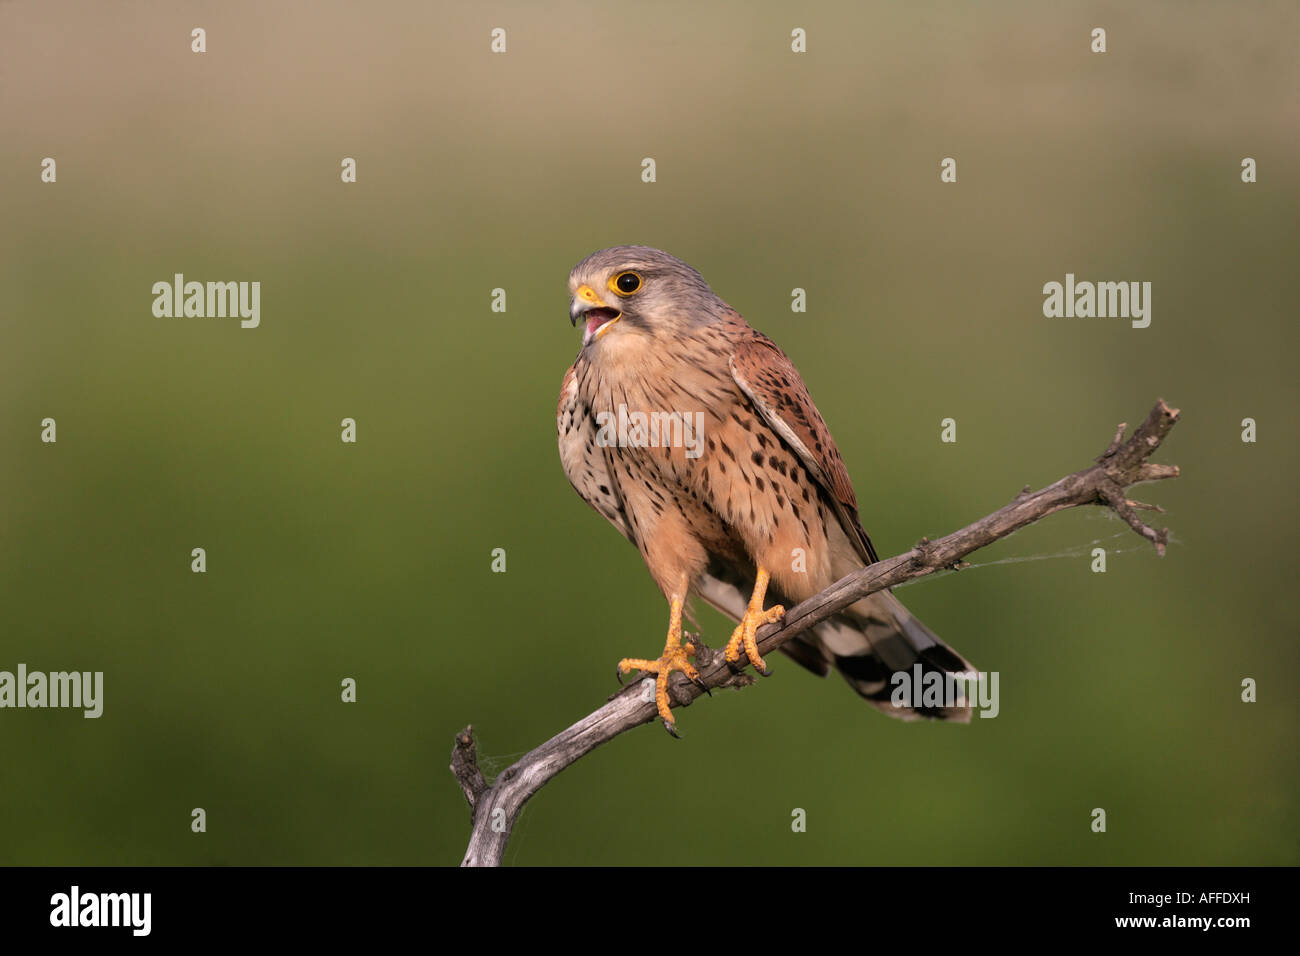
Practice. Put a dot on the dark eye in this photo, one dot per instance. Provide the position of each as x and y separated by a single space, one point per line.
625 283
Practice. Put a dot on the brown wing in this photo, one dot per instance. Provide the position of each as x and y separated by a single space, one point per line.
774 385
584 460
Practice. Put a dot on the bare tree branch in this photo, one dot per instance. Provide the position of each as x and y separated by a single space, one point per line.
464 766
494 808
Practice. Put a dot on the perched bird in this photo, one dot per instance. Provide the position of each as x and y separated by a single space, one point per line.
695 436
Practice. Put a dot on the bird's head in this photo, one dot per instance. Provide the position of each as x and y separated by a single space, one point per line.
630 292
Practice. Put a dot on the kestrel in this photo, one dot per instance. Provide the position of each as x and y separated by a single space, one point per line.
695 436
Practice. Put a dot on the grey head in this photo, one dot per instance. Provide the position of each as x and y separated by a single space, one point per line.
639 291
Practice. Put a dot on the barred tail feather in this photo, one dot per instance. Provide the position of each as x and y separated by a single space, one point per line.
877 637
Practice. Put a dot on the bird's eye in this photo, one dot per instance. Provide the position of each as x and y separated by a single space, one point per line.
625 283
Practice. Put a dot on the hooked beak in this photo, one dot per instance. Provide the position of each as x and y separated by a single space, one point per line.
599 317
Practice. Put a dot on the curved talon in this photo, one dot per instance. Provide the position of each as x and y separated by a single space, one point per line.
754 618
672 730
694 674
742 638
674 658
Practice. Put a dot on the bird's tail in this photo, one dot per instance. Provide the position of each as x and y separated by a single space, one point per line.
877 638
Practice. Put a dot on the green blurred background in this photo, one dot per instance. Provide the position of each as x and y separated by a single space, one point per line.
476 171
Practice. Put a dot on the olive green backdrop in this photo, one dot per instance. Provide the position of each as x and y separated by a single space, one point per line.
775 170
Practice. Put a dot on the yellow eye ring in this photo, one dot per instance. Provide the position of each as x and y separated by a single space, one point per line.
625 284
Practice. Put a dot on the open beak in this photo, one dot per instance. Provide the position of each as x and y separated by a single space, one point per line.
589 307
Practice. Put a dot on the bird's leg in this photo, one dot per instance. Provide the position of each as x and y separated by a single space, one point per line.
673 659
754 618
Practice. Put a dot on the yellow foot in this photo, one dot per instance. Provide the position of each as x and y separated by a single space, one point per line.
754 618
674 658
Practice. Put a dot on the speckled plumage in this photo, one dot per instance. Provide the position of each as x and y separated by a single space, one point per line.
768 480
